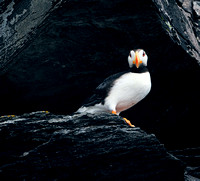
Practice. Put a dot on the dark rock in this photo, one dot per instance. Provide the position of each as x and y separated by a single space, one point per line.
19 23
186 5
191 157
43 146
192 173
196 8
179 21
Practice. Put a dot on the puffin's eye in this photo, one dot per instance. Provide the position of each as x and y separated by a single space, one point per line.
143 54
130 54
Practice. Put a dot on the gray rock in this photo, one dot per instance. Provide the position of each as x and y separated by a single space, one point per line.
19 23
190 156
43 146
180 24
186 5
196 8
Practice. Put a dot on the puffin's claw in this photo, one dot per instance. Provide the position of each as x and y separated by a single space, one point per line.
114 112
126 120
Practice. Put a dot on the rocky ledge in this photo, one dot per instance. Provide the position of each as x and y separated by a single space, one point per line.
42 145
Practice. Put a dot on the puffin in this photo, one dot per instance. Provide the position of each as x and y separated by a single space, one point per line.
123 90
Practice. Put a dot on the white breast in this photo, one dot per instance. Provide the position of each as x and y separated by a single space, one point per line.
128 90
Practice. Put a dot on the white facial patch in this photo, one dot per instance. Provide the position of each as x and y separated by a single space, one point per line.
131 58
143 57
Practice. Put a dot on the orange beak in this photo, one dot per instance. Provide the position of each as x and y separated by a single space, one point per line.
137 60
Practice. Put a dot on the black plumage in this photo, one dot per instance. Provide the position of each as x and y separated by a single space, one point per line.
102 90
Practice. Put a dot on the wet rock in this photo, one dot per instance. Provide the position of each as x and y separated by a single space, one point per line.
43 146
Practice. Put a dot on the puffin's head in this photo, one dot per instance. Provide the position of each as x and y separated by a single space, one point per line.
137 57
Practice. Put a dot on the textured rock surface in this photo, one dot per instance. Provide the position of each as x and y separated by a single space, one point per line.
19 23
40 146
191 158
181 19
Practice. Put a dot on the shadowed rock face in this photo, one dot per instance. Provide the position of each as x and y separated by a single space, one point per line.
19 23
181 19
102 147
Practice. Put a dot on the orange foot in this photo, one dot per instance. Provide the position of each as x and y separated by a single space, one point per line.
114 112
126 120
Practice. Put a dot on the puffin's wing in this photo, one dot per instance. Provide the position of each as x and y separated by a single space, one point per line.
102 90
